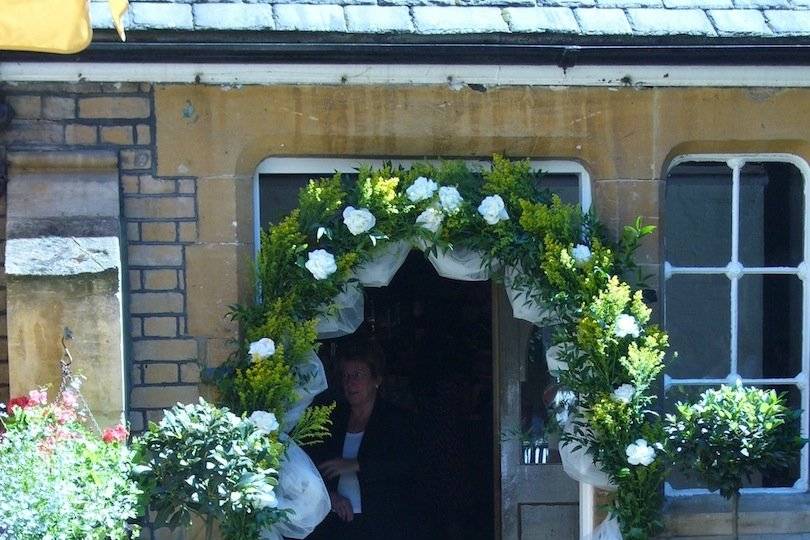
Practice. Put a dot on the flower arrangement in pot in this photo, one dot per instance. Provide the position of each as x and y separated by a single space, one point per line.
730 434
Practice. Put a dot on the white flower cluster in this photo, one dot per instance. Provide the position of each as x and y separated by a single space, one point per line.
422 189
266 422
493 209
448 204
624 393
321 264
263 348
626 325
358 220
640 453
581 254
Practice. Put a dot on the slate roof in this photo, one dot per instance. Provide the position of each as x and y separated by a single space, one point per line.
760 19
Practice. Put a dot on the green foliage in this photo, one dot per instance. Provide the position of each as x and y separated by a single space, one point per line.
61 480
204 460
267 384
295 337
731 433
515 181
313 427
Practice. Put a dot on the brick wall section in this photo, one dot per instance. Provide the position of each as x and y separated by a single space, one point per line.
160 216
4 390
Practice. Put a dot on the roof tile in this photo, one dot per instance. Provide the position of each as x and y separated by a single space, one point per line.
378 19
543 19
762 4
629 3
664 22
458 20
739 22
496 3
784 22
602 21
161 16
698 4
310 18
567 3
416 2
233 16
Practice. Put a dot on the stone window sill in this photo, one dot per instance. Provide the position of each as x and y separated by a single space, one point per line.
762 516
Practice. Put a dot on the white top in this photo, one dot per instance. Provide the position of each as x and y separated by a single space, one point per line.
348 484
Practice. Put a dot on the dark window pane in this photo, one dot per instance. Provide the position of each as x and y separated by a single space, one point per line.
771 215
698 215
698 322
564 185
278 195
770 326
780 478
537 391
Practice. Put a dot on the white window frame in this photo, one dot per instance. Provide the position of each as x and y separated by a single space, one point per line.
327 166
735 270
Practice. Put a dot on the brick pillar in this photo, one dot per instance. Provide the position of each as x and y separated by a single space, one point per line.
63 267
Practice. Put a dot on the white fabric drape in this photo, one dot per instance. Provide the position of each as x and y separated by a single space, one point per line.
314 377
300 489
383 265
347 315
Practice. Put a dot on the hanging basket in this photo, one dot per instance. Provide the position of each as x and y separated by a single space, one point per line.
383 265
301 490
313 374
345 316
579 465
460 263
523 306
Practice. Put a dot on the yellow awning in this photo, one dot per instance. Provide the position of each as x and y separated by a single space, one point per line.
55 26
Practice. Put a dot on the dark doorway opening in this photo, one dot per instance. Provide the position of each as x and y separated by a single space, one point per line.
436 335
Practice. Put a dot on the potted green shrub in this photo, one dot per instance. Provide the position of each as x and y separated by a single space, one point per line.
731 433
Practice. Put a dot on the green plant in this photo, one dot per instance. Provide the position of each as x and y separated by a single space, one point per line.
730 434
61 480
204 460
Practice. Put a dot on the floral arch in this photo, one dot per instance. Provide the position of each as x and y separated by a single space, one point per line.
556 263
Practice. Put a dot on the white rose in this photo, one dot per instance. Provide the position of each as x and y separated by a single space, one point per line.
626 325
493 209
581 254
639 453
423 188
450 199
321 264
265 421
264 498
263 348
430 219
624 393
358 220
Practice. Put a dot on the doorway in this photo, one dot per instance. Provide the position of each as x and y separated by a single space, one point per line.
436 336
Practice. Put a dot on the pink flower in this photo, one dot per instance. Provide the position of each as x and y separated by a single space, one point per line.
38 397
115 434
64 414
69 399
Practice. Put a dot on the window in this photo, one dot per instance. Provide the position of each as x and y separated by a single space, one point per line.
735 296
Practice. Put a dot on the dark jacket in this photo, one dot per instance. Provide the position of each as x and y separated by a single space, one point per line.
386 459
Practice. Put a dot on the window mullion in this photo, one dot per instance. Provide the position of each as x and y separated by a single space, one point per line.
734 268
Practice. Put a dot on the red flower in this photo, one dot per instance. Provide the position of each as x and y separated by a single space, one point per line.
116 434
22 402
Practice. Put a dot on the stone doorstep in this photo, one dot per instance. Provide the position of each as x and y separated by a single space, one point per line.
762 516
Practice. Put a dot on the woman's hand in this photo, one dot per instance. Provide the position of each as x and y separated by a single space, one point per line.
341 506
335 467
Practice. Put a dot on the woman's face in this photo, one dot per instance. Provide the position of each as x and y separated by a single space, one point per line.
359 385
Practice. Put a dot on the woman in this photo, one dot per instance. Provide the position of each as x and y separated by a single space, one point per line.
367 462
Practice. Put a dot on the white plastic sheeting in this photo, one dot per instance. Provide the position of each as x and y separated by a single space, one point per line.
385 261
580 466
607 530
553 361
460 263
347 314
300 489
314 377
270 533
522 306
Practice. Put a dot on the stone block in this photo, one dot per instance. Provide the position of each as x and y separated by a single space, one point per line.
186 185
542 19
136 421
58 108
135 327
164 350
154 186
160 327
378 19
458 20
160 280
139 158
120 87
217 350
602 21
133 232
117 135
159 207
32 131
27 107
159 231
4 373
221 16
151 255
310 18
217 202
208 299
155 373
134 280
155 303
144 134
162 397
81 134
114 107
130 183
190 372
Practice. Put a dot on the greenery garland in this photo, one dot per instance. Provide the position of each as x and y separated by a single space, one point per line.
565 261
